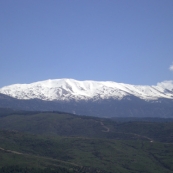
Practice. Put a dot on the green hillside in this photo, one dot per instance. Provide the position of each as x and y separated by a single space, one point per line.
59 142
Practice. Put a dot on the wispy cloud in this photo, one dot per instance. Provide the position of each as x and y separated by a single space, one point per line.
171 67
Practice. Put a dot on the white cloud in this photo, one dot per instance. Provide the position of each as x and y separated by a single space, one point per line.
171 67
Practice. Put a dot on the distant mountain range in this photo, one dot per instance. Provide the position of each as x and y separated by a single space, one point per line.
70 89
103 99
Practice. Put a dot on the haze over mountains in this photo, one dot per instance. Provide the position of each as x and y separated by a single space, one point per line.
92 98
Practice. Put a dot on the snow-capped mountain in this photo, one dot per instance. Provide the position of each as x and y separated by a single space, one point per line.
102 99
70 89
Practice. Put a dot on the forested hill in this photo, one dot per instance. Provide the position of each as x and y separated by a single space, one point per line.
61 142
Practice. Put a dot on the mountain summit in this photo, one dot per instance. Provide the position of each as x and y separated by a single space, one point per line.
70 89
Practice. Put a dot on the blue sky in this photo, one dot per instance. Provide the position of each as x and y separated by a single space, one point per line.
128 41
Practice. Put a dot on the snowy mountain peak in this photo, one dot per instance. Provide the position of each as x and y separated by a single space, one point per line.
67 89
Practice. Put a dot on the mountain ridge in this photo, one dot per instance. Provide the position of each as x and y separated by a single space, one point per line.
70 89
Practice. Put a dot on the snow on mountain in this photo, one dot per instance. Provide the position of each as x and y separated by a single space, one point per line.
67 89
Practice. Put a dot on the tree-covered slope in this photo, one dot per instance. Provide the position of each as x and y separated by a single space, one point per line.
52 141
